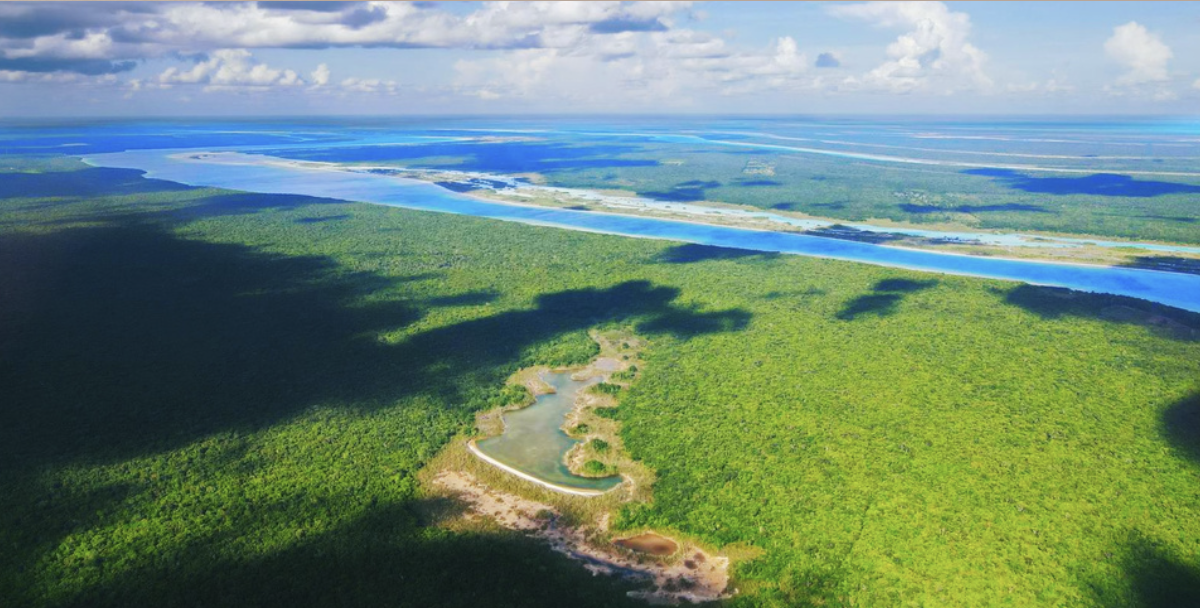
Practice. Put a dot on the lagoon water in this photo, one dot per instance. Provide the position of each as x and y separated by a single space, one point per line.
534 443
249 173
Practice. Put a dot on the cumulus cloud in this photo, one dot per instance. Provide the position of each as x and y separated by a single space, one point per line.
1140 52
110 37
231 69
320 76
659 67
496 25
74 38
933 54
525 49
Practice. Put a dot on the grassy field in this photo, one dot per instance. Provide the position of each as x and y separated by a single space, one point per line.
213 398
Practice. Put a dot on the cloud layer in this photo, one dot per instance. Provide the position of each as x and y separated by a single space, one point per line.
582 55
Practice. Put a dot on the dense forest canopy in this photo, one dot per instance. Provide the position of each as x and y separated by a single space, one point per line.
214 398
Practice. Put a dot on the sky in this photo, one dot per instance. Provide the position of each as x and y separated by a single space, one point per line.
431 58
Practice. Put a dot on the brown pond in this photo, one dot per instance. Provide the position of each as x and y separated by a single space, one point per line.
652 544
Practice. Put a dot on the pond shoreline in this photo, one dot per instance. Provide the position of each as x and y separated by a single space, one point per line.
599 369
474 449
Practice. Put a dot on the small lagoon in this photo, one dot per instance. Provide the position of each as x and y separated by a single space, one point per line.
534 443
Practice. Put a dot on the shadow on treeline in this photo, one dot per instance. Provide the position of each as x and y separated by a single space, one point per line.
84 183
793 293
1153 579
1099 184
1181 426
1166 263
888 293
683 192
185 202
126 338
320 219
795 206
850 233
121 339
1058 302
474 349
381 559
690 253
1180 219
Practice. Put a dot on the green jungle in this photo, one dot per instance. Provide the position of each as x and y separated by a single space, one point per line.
211 398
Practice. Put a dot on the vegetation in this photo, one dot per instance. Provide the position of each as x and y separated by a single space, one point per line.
1104 203
221 399
607 388
595 468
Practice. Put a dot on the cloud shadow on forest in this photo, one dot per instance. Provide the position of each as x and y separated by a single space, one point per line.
119 339
1097 184
690 253
1153 578
1057 302
888 293
683 192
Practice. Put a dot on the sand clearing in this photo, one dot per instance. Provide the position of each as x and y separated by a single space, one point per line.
698 577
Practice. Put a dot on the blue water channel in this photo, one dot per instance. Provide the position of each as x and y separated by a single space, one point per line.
1174 289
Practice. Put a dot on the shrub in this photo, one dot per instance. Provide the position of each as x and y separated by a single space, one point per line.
594 467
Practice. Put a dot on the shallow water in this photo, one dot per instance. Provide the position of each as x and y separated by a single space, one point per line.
534 443
249 174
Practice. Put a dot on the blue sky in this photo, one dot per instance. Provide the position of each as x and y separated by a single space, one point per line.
247 58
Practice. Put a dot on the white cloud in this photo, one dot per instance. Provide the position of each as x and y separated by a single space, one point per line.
115 35
19 76
320 76
1141 52
230 69
93 45
71 78
514 73
932 55
664 67
397 24
370 85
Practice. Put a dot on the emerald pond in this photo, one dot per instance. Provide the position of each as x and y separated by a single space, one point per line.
534 444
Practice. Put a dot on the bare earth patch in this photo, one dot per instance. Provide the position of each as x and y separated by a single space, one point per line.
695 577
